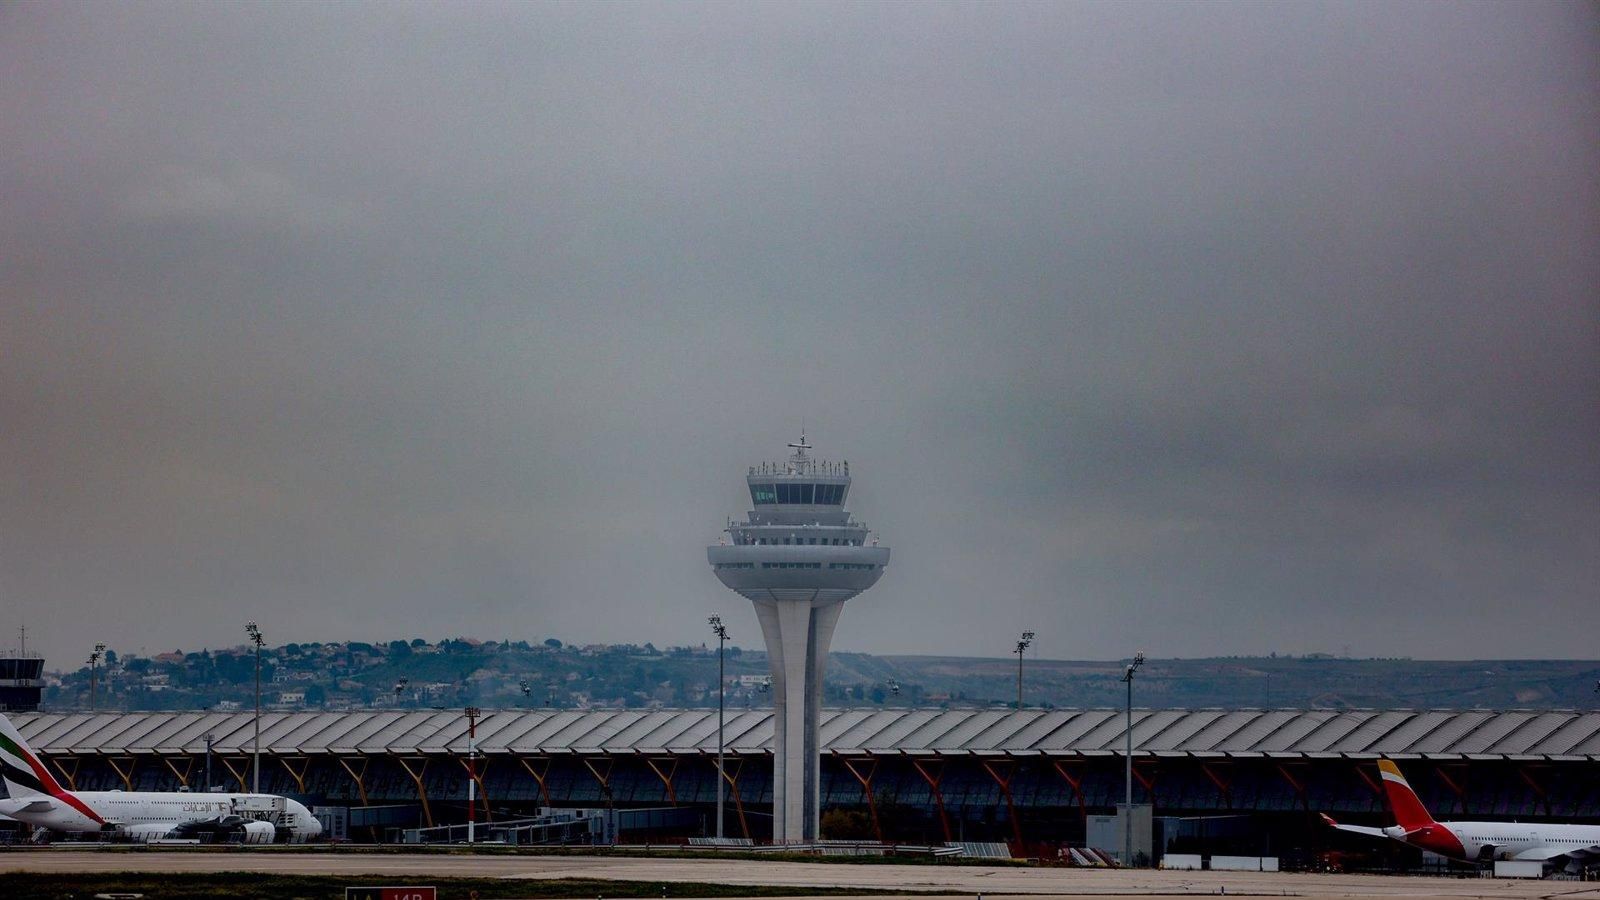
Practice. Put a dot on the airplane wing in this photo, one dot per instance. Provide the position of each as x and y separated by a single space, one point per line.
211 823
39 805
1354 829
1548 852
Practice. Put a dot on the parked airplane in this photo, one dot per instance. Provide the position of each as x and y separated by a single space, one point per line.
1476 841
38 800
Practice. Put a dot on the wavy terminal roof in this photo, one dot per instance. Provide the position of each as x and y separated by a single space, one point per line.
1357 734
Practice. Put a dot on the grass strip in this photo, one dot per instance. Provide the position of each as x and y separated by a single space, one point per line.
663 851
198 885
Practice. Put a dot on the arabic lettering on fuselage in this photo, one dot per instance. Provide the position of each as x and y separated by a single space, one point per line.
219 806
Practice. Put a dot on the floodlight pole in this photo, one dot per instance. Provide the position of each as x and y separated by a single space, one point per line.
721 632
255 638
94 682
1127 807
1022 646
472 772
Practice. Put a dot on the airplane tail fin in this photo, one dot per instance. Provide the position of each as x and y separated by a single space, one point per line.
1409 813
23 772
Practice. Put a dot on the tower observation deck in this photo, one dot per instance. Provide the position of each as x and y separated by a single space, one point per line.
798 557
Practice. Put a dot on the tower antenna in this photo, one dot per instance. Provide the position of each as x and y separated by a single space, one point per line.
799 463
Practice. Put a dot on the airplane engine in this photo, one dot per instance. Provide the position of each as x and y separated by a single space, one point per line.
259 832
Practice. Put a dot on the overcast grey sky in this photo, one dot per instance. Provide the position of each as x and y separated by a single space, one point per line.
1202 328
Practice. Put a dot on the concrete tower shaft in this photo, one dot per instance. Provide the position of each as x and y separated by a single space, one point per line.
798 557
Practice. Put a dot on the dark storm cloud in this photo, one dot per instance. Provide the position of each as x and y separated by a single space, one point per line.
1204 328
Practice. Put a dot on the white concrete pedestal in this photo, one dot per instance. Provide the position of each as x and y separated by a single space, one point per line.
798 633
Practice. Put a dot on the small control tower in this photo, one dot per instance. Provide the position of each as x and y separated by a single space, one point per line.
798 558
21 683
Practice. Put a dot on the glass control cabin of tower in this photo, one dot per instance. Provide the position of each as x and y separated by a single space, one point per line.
797 510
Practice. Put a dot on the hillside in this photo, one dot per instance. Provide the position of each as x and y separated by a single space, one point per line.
457 672
1316 682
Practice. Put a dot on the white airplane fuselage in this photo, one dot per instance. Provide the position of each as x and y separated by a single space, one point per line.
1498 840
154 814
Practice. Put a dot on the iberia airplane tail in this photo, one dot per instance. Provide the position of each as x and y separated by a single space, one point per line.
23 773
1409 813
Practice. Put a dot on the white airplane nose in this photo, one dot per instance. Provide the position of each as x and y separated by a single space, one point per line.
306 823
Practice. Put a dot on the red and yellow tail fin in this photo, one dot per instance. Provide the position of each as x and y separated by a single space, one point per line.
1409 813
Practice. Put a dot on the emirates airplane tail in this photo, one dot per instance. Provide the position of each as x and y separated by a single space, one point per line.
25 777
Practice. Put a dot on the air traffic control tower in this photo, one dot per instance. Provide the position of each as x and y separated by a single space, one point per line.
798 558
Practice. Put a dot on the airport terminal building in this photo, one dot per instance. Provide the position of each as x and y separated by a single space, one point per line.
1252 780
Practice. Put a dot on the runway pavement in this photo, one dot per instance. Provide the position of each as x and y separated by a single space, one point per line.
968 880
